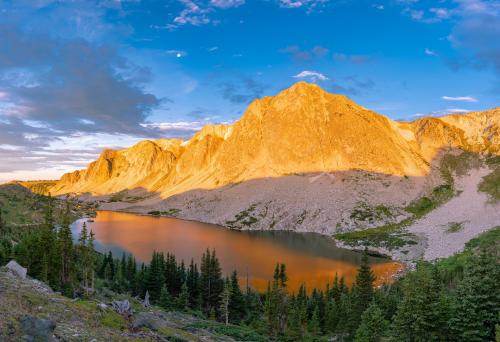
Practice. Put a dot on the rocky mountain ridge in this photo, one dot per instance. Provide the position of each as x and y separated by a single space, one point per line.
301 130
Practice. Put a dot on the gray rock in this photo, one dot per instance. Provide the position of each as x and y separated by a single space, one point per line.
36 329
121 306
146 320
17 269
102 306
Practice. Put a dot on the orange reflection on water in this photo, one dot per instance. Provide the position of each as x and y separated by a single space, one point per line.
310 258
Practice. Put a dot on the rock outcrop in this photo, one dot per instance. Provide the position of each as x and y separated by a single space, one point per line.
301 130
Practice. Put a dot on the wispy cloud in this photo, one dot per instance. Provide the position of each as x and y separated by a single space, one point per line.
459 98
430 52
311 75
305 55
176 53
310 5
243 90
356 59
227 3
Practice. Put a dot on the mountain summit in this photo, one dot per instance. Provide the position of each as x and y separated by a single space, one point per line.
303 129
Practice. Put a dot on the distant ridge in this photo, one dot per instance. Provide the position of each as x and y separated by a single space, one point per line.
302 129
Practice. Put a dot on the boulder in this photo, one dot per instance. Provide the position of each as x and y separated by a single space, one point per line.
102 306
122 306
36 329
146 320
17 269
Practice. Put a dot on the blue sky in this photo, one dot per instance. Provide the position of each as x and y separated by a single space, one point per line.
77 76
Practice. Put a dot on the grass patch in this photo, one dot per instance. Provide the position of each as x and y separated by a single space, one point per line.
388 236
169 212
113 320
491 184
363 212
176 335
455 227
239 333
244 218
455 264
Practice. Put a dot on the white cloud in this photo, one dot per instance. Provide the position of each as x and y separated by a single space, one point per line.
176 53
213 49
430 52
378 6
227 3
312 75
440 13
182 126
459 98
309 4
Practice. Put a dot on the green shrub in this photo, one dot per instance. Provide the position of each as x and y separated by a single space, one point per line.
113 320
491 184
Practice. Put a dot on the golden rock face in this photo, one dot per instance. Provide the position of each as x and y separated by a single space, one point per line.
303 129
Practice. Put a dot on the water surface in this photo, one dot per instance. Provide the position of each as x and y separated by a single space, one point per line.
310 258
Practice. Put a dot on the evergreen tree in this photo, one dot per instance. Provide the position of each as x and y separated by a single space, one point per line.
91 258
47 245
236 300
165 300
84 258
182 302
155 278
314 323
362 291
421 315
211 282
65 249
276 302
373 326
193 284
477 307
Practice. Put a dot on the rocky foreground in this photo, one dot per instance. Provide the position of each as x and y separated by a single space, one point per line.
31 311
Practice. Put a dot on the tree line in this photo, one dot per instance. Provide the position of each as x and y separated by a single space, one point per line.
454 300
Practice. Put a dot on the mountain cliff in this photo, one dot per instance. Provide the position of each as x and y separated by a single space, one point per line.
301 130
311 161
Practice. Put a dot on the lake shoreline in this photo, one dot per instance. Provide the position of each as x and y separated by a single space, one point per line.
312 257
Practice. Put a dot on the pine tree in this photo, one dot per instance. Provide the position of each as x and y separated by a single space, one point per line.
91 258
211 282
2 225
373 326
47 245
236 300
362 291
276 302
165 300
65 249
84 258
182 302
477 307
193 283
421 315
155 278
314 324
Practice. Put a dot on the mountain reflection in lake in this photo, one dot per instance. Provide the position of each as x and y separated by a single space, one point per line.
310 258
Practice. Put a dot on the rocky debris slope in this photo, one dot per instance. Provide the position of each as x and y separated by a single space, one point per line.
31 311
446 229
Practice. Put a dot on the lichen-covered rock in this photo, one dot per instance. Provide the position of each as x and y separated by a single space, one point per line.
36 329
17 269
